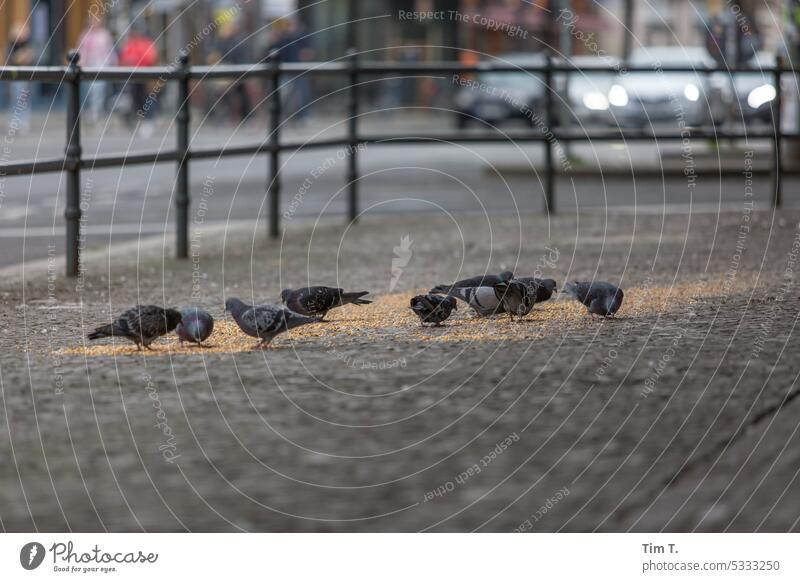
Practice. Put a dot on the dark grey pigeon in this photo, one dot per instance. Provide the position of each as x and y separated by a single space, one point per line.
141 325
317 301
599 297
544 288
433 308
265 321
511 297
195 327
478 281
516 297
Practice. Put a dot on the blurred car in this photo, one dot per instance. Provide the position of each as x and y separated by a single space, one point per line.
587 92
639 99
755 92
500 97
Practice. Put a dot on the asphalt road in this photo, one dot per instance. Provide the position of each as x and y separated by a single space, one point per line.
136 202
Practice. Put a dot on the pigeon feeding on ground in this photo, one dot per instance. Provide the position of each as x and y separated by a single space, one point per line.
317 301
141 325
433 308
544 288
195 327
510 297
265 321
479 281
599 297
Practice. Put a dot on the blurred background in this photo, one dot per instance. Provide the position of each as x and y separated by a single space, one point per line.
600 32
129 203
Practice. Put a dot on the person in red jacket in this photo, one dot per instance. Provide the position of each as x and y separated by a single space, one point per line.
139 50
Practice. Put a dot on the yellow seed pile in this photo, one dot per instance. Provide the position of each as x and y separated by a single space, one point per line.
389 318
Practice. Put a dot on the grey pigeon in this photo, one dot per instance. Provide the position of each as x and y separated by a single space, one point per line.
544 288
433 308
511 297
599 297
141 325
319 300
478 281
265 321
196 325
516 297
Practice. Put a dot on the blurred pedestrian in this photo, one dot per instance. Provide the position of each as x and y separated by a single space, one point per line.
20 54
139 50
96 48
293 46
232 50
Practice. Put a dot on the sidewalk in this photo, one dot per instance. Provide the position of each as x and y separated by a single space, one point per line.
585 158
679 415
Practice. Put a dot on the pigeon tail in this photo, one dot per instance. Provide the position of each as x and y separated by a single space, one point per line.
441 289
355 298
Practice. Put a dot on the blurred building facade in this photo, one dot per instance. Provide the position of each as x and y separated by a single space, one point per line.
517 25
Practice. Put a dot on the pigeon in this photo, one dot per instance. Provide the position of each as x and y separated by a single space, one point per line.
516 297
510 297
433 308
195 327
544 288
265 321
317 301
479 281
600 298
141 325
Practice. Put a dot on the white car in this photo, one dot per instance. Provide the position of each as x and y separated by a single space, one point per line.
659 97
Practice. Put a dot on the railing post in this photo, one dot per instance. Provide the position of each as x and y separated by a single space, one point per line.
182 180
352 136
72 155
777 176
549 172
274 184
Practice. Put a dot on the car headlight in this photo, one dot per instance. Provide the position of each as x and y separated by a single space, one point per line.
691 92
761 95
618 96
595 101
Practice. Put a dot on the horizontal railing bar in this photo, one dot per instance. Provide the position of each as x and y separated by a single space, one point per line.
337 67
132 159
31 167
132 73
34 73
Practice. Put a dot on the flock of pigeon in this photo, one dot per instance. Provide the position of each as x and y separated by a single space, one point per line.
487 295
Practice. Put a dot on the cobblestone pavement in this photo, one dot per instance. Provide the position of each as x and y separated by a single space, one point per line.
679 415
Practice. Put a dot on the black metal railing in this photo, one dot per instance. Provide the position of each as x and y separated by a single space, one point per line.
351 67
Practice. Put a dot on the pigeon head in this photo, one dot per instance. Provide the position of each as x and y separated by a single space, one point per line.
173 317
549 284
451 301
234 305
614 302
285 294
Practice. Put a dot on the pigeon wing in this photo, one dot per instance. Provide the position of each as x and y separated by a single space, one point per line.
322 298
264 319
